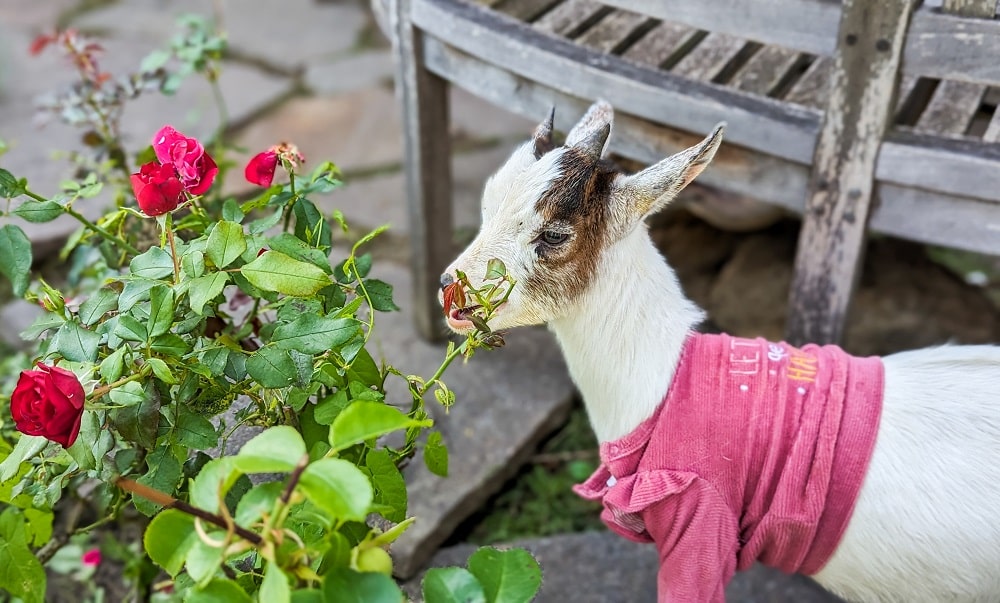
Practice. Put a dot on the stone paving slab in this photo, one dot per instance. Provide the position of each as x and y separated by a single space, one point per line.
601 567
508 400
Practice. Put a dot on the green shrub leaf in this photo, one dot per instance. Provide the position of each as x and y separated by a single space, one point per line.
275 271
39 211
97 305
168 538
15 257
348 586
366 420
21 573
452 585
75 343
338 487
278 449
274 588
511 576
155 263
272 367
312 334
390 489
436 454
226 243
218 591
204 289
161 310
380 294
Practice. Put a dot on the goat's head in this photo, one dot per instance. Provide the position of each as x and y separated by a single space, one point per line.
550 212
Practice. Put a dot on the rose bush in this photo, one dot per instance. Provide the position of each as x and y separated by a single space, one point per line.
236 306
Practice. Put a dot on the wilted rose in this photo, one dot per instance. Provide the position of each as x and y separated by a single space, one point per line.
48 401
157 188
260 169
195 168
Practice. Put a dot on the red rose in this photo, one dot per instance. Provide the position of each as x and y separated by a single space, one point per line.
48 401
157 189
195 168
260 170
91 558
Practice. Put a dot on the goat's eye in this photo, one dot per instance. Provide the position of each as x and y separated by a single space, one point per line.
553 238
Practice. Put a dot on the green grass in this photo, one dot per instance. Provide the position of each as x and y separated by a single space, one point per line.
539 501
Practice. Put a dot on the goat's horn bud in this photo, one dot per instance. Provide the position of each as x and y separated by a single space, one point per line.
543 135
593 144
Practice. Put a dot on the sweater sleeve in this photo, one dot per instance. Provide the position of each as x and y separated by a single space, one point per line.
697 538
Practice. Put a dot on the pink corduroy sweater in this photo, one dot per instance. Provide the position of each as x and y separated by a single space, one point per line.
757 453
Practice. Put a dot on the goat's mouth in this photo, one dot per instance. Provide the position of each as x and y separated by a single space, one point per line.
458 318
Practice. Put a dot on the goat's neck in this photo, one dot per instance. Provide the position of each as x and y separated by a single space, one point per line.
623 339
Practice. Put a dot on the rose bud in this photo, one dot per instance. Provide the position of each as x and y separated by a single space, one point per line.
260 169
48 402
157 189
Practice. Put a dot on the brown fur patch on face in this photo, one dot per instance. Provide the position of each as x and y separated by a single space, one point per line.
577 202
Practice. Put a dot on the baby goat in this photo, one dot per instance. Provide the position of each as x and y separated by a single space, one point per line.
880 477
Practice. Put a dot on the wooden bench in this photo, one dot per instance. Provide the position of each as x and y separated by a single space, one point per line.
857 115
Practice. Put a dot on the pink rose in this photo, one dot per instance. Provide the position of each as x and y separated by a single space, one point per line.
260 169
48 401
195 168
91 558
157 189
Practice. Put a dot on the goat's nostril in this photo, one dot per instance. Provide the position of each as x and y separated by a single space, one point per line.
446 279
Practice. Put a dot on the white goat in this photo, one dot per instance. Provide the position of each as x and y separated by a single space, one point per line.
926 523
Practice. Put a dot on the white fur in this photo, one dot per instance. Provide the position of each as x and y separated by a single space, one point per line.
926 525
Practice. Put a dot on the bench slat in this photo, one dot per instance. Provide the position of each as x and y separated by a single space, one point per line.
766 70
810 89
951 108
524 10
570 16
992 133
805 25
945 46
756 122
707 60
664 45
614 31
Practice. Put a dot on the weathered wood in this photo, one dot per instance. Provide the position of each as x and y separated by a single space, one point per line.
951 47
805 25
765 124
951 108
710 57
615 31
427 148
992 133
810 89
524 10
571 16
966 168
858 115
664 45
985 9
766 70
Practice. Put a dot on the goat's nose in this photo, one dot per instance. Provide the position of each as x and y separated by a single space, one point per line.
446 279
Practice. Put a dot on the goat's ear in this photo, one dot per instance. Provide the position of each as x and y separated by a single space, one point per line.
590 134
542 136
650 190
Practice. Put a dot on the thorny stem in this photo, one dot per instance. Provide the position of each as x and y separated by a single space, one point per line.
169 502
168 229
94 227
444 366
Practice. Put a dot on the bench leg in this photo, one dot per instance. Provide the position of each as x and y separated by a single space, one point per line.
831 243
427 159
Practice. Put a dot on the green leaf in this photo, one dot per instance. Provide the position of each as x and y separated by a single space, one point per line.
310 226
511 576
39 211
337 487
380 295
75 343
258 501
213 482
10 186
130 329
436 454
226 243
328 408
312 334
139 420
193 430
272 367
21 574
275 271
297 248
390 489
26 447
128 394
495 269
97 305
231 211
452 585
274 588
218 591
308 596
345 585
278 449
15 257
162 371
43 323
83 448
168 538
203 560
165 472
193 263
155 263
364 369
205 288
367 420
135 291
161 310
154 60
170 345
